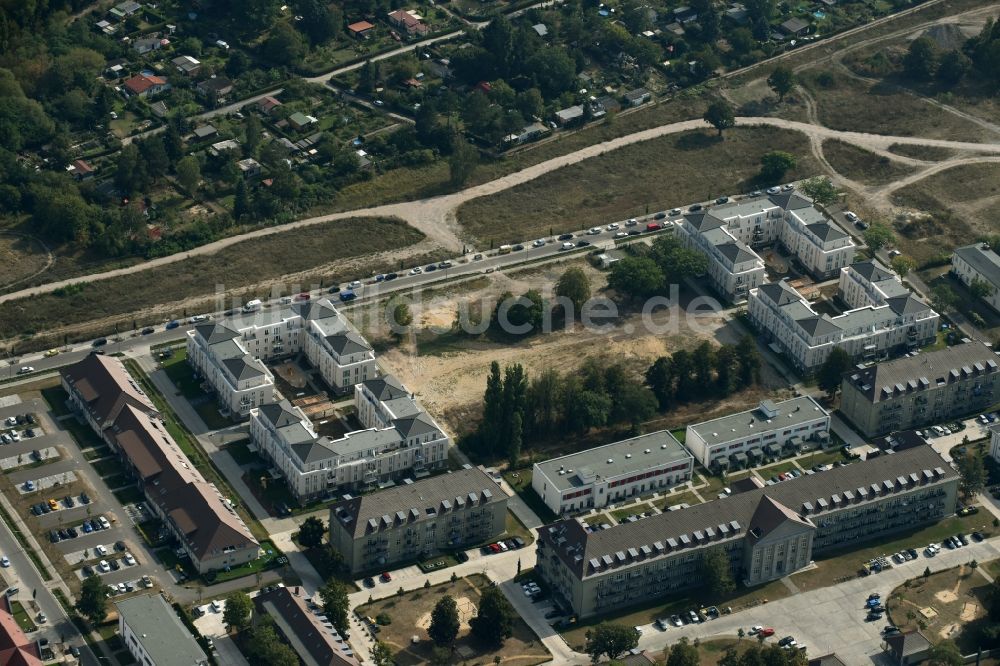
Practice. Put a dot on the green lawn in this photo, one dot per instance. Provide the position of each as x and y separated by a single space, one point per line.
209 413
520 481
266 561
514 527
182 374
131 495
109 467
622 514
241 453
56 397
687 497
22 618
835 566
827 457
779 468
599 519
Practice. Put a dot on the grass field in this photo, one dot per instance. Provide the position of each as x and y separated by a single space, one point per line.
929 153
863 166
20 257
299 252
847 104
21 617
649 176
410 614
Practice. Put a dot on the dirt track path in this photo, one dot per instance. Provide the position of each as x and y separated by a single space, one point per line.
435 217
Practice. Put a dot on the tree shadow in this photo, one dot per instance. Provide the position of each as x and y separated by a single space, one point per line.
697 141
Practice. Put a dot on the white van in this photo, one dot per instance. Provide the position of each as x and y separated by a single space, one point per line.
252 306
567 246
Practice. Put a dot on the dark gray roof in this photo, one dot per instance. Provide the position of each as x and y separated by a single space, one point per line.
827 660
416 425
730 517
779 293
348 342
241 368
925 370
704 221
826 231
415 502
386 387
314 309
736 252
872 271
908 644
906 304
818 325
213 333
984 260
279 414
791 200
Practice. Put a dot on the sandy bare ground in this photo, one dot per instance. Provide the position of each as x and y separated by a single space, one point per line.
450 382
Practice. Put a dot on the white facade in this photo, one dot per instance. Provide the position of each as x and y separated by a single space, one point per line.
979 262
611 473
726 235
399 438
230 355
868 333
726 441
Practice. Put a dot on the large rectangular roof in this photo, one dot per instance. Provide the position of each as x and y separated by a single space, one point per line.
415 502
983 259
732 516
764 418
614 460
160 632
924 371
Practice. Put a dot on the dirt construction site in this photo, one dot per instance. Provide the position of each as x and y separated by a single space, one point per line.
448 370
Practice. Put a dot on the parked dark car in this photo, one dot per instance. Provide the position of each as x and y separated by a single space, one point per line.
565 237
85 498
391 276
54 536
694 208
147 331
334 289
71 531
100 342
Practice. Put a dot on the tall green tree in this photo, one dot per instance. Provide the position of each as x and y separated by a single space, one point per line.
284 45
574 285
336 604
188 174
241 202
716 573
831 373
660 378
879 235
748 359
954 67
971 471
774 165
265 648
237 614
494 620
781 81
821 190
381 654
682 653
945 653
636 277
462 162
444 622
311 532
720 115
610 639
155 156
93 601
492 411
921 60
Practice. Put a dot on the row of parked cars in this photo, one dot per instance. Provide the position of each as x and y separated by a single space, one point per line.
503 546
52 504
690 616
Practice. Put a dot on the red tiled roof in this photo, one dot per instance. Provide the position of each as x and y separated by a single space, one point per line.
15 648
360 26
141 83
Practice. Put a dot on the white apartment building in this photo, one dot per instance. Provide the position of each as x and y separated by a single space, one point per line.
154 634
230 355
399 438
727 234
979 262
869 283
870 332
737 440
611 473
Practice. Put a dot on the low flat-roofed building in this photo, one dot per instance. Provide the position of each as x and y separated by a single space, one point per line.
606 474
412 521
923 389
740 439
908 648
316 643
154 634
765 534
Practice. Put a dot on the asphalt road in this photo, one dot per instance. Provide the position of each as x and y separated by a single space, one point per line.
369 291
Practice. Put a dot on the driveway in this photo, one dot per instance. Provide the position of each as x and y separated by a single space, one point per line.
830 619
